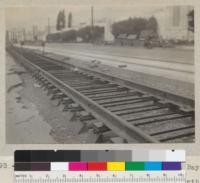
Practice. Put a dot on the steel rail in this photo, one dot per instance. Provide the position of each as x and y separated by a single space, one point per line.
116 124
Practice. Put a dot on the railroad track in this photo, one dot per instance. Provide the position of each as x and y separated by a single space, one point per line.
133 116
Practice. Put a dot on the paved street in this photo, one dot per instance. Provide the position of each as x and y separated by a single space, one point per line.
179 54
175 64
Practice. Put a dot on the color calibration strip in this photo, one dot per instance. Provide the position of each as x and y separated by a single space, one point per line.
95 160
99 166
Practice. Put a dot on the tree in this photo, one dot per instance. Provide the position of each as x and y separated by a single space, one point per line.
87 35
152 24
70 20
58 21
60 24
139 24
98 32
122 27
69 35
63 19
191 20
129 26
54 37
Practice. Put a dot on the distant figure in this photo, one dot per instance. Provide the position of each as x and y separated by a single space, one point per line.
22 43
43 46
43 43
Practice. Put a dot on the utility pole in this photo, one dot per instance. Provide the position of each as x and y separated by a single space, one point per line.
15 36
33 33
92 23
48 26
92 16
24 34
12 35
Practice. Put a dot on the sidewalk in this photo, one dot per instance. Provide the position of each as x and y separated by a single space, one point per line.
179 54
184 47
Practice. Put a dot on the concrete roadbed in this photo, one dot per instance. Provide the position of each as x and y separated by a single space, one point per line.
179 88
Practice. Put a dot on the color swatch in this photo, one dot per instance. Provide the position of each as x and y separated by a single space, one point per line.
99 166
116 166
77 166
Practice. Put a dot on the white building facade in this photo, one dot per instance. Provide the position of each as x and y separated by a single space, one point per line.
173 22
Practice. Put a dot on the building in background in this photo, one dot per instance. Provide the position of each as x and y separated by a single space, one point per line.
173 22
15 35
18 35
108 36
106 23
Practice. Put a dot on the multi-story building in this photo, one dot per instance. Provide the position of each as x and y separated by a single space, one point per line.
173 22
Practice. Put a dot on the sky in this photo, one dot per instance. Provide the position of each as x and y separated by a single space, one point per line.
26 17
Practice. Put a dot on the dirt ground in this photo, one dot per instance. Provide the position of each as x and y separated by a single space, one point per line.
31 117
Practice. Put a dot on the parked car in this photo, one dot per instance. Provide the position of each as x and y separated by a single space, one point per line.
157 42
